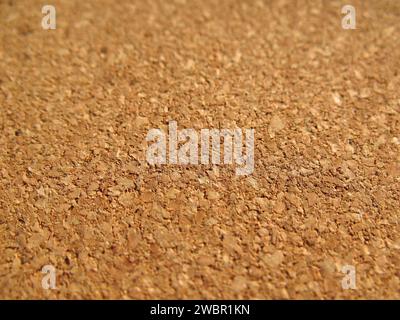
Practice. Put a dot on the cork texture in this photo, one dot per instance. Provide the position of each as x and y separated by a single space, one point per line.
77 193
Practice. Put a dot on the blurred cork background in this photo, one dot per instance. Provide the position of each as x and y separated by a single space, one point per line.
76 192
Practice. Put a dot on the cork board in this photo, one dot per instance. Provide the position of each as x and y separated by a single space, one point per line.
77 193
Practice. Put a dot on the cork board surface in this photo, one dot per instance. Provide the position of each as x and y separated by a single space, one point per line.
77 193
